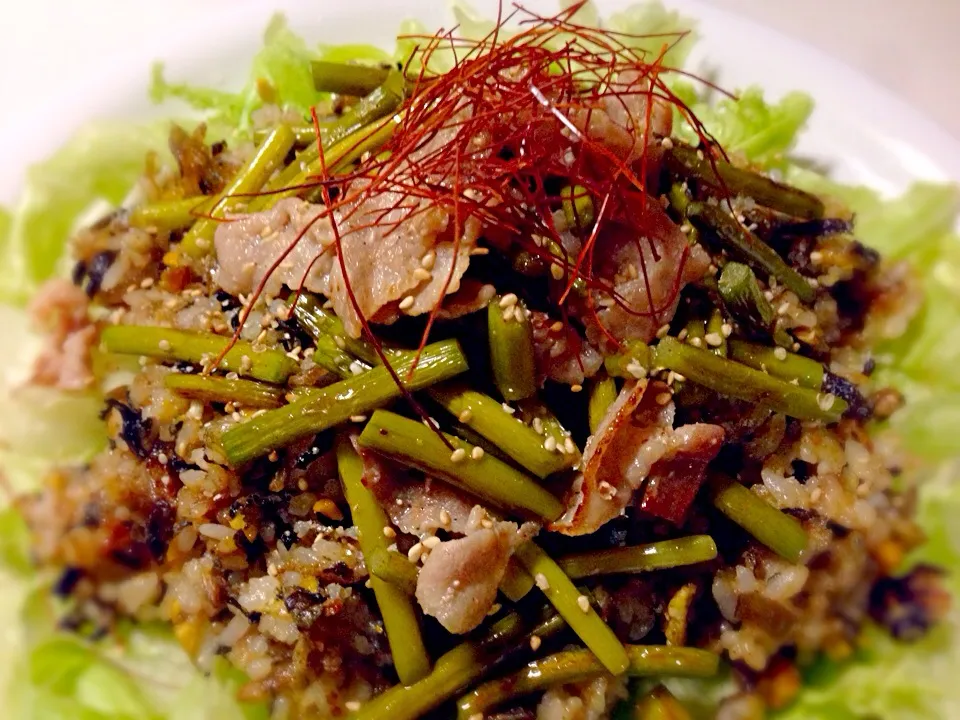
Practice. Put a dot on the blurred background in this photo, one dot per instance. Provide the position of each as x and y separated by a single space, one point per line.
910 47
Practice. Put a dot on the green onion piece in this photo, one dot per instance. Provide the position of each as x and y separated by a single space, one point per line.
305 134
347 78
337 403
511 348
715 339
394 568
687 162
574 607
412 443
320 322
455 671
577 207
640 558
745 300
749 247
249 179
514 438
731 378
170 215
192 347
343 142
397 609
778 363
580 665
212 388
780 532
603 392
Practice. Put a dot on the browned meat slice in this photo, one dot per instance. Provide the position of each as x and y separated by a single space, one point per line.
60 309
562 355
459 579
634 437
675 478
392 248
418 507
647 274
618 457
621 121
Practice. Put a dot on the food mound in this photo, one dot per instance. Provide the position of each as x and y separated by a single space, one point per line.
483 388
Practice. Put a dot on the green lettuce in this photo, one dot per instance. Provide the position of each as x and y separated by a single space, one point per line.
283 63
96 168
748 125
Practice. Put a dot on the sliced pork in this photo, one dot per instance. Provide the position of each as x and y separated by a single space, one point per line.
393 248
636 434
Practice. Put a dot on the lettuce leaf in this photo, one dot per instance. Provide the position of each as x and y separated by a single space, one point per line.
280 73
98 165
762 132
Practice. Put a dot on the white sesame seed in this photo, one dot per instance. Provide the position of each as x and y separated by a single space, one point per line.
569 446
816 257
576 387
458 455
428 260
662 332
356 368
480 251
556 271
422 274
726 330
445 518
535 642
816 495
415 553
584 602
714 339
667 143
550 444
507 409
164 345
826 400
508 300
352 705
341 343
538 426
508 314
486 523
783 309
431 542
406 303
389 532
636 369
465 415
780 353
696 342
358 418
476 453
541 580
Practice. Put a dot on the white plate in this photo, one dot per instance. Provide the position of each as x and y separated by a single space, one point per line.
866 133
